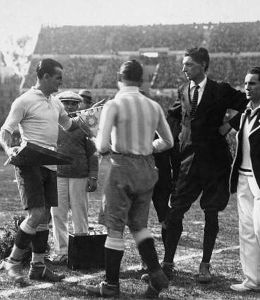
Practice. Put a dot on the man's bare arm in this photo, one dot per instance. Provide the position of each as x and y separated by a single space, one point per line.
5 140
6 143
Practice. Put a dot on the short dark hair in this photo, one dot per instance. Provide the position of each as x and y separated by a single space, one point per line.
131 70
199 55
254 70
48 66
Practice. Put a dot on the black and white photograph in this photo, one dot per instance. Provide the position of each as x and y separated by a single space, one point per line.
129 166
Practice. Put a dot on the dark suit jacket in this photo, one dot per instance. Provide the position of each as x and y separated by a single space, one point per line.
199 136
254 141
167 163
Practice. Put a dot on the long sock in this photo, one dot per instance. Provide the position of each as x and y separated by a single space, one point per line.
148 254
22 241
39 244
173 234
17 254
112 265
210 234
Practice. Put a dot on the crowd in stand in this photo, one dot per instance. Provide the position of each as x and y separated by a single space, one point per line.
221 37
169 73
111 39
101 73
234 37
79 73
109 75
226 40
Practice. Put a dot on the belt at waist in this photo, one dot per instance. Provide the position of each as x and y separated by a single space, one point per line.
131 155
247 172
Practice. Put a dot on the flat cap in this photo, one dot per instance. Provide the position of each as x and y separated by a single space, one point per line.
69 96
85 93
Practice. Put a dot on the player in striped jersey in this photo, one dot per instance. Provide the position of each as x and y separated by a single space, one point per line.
130 121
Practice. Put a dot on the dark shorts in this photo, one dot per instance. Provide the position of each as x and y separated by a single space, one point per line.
37 186
212 185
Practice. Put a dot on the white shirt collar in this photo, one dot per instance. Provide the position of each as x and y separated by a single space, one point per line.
202 84
40 93
129 89
36 90
253 110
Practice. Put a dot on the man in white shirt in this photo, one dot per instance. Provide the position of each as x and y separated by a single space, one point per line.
245 180
38 115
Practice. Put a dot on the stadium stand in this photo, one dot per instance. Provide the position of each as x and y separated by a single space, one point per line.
91 55
112 39
235 37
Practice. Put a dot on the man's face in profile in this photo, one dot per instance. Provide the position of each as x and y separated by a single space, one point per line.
192 69
54 81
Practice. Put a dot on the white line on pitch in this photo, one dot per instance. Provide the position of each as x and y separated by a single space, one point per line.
190 256
76 279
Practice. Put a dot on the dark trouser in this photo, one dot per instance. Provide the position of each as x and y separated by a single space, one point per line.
163 187
174 231
213 187
160 201
168 163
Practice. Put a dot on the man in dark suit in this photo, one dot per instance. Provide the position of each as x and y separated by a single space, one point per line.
204 153
245 180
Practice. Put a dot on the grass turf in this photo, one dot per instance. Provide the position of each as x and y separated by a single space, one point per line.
225 263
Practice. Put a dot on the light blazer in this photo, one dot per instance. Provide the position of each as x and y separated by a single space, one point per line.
254 141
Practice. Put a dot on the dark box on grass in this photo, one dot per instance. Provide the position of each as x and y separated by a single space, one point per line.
86 251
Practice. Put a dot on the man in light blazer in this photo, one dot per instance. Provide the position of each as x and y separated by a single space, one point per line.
245 180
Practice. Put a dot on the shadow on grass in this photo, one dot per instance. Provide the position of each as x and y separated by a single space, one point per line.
73 290
79 290
184 279
220 285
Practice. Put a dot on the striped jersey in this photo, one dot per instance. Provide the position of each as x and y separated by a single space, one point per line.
128 124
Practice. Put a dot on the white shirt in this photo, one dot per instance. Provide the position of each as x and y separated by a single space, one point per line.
201 89
38 118
246 158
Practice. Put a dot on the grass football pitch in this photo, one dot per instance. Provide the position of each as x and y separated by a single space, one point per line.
225 260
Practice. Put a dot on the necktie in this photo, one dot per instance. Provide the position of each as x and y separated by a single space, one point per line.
250 115
194 101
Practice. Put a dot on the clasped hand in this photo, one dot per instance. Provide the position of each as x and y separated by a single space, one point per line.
92 184
12 151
